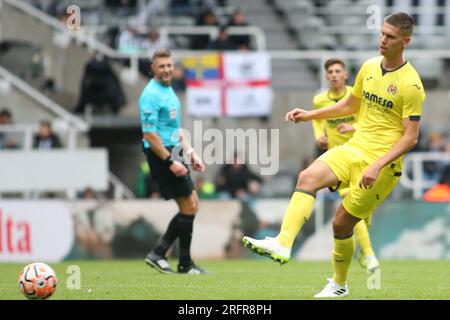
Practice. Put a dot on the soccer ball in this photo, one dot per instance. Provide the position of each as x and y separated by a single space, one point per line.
37 281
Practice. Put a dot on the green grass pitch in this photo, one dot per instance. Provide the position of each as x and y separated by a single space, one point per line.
237 280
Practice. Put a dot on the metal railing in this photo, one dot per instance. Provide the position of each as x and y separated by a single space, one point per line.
361 9
121 191
413 163
354 30
43 100
24 133
213 32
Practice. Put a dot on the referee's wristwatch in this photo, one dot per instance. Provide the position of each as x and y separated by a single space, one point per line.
168 161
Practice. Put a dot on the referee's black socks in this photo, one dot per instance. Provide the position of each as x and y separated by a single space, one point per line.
185 227
168 238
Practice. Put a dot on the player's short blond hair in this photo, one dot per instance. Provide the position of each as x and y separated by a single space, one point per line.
403 21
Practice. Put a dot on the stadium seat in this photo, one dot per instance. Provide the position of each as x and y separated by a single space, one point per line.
430 70
23 59
299 6
359 41
436 42
336 10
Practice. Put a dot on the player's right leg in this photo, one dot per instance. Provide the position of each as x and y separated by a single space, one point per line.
372 263
317 176
344 248
366 255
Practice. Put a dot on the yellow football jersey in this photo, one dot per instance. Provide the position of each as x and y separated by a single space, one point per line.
329 126
387 97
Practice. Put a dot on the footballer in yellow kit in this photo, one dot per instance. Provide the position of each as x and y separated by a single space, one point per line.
333 132
331 127
387 97
388 94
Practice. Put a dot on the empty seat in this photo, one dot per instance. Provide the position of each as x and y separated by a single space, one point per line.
430 70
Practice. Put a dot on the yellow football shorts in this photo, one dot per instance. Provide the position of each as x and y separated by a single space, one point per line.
348 164
342 193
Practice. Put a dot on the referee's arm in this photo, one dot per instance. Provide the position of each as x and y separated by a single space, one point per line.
194 159
157 147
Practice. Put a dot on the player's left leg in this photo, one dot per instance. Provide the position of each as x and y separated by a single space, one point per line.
344 248
367 257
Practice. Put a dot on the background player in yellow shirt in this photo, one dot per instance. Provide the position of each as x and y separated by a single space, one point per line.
388 94
333 132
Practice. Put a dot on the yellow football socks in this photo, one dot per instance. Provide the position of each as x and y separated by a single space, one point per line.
361 233
342 257
297 213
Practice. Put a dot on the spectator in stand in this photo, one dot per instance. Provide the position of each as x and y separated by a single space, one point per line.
236 180
210 4
121 3
149 45
436 142
7 140
88 194
153 42
447 148
181 7
46 139
100 86
146 185
205 190
222 3
152 10
209 19
238 19
223 42
441 191
128 40
179 79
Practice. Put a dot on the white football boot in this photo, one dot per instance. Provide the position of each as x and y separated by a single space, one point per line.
269 247
333 290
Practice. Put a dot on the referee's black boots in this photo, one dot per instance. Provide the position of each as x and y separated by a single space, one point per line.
159 263
191 269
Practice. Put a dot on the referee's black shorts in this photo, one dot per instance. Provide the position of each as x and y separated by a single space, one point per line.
170 185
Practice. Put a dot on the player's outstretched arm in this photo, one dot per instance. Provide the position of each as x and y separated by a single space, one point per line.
344 107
